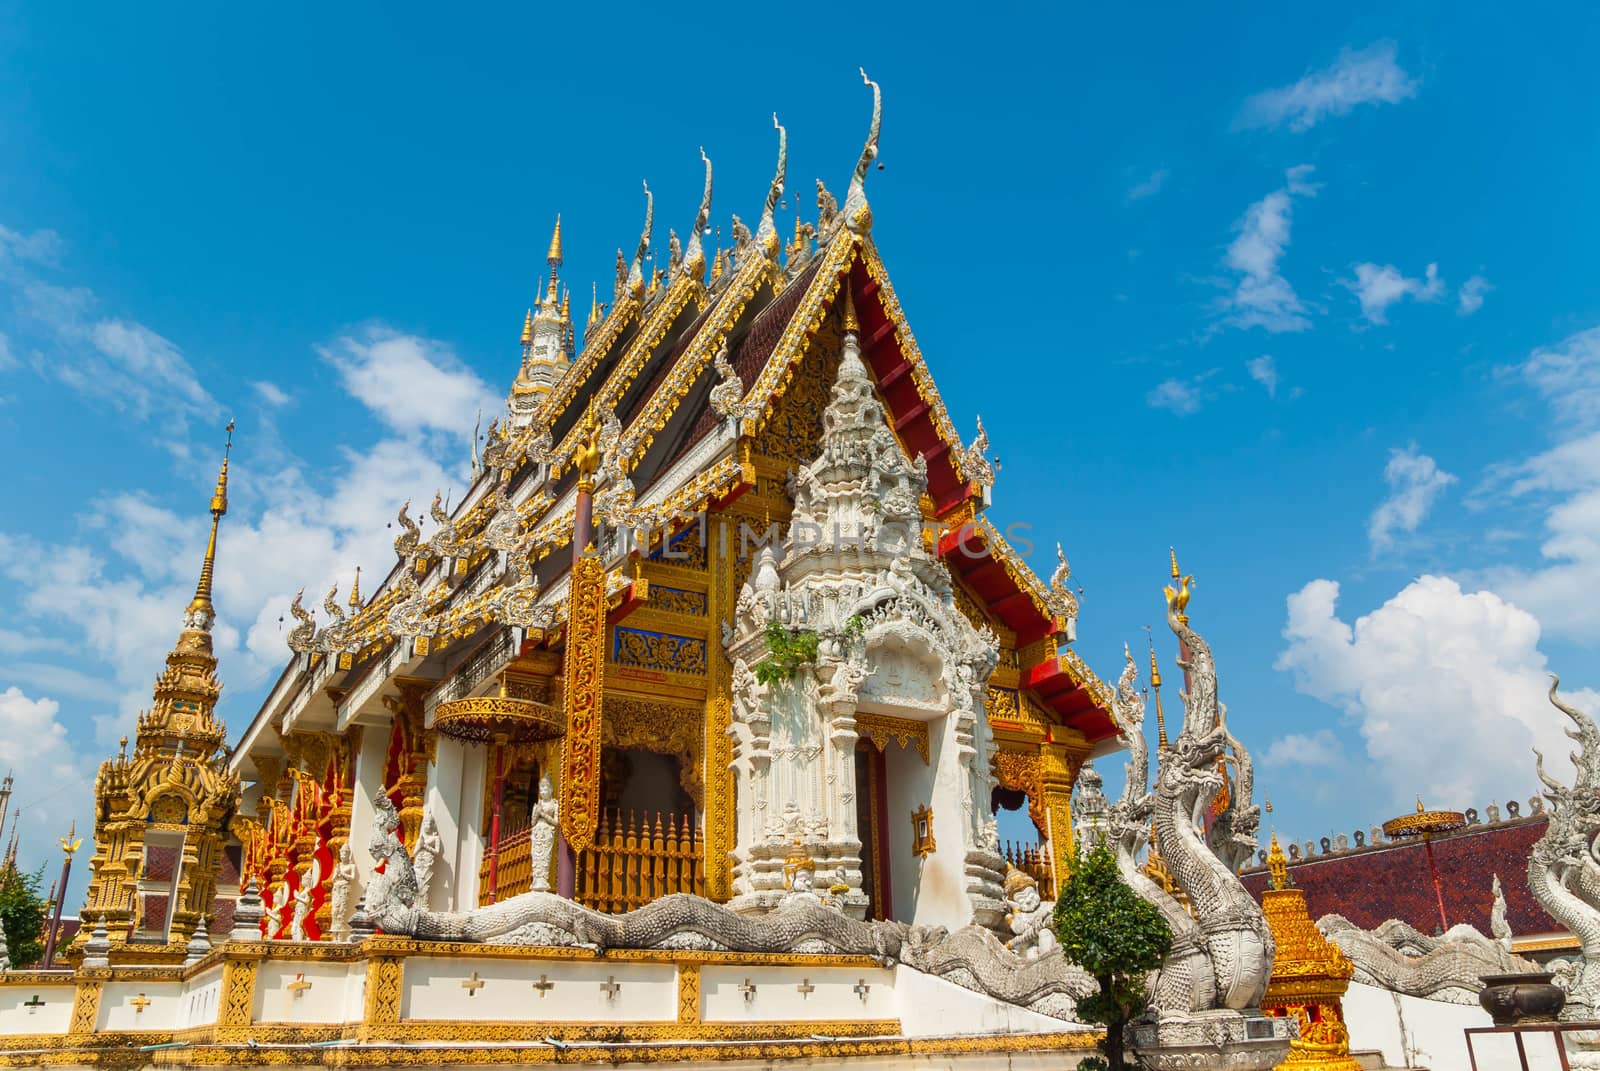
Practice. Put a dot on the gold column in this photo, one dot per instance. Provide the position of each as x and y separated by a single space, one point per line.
1058 769
585 683
719 795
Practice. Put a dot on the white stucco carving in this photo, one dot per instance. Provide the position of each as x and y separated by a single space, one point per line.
890 643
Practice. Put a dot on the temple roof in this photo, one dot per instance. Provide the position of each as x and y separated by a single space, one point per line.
684 376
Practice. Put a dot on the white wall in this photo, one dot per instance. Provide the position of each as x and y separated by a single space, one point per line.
932 1007
1410 1031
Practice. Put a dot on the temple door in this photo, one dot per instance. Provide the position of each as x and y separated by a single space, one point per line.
872 808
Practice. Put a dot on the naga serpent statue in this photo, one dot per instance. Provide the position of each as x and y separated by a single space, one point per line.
1563 868
1191 774
1186 982
971 957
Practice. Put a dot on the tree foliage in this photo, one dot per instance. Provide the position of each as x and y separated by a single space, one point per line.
22 915
1116 936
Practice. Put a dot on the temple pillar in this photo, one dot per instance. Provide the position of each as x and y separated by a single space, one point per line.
447 806
371 757
720 809
471 841
1058 770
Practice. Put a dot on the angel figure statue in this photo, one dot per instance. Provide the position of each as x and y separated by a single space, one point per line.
542 835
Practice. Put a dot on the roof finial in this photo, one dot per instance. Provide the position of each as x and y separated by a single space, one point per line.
355 588
553 257
1277 864
1155 683
527 329
851 324
596 314
694 260
636 281
767 229
1178 593
201 613
857 215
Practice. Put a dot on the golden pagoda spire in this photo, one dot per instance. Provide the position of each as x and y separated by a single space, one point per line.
596 314
1277 864
355 591
527 329
201 612
850 321
553 257
1155 683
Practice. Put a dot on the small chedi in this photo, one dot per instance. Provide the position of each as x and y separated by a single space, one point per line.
1309 976
164 815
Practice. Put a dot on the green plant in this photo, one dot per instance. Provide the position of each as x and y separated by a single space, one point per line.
787 650
1117 937
22 915
854 626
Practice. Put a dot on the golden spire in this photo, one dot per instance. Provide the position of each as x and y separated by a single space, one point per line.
719 263
595 313
850 321
1277 864
1155 683
553 258
566 304
527 329
201 604
355 591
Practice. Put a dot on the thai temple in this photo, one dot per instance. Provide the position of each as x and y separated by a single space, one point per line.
681 737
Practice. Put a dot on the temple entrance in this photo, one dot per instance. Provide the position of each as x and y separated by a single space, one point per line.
871 811
647 843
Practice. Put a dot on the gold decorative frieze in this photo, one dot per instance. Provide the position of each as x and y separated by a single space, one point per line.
882 728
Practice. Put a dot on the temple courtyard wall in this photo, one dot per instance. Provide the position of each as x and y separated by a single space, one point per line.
390 1000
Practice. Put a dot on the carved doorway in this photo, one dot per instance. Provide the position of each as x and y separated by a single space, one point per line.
872 808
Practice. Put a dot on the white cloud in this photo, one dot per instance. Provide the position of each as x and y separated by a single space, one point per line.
271 393
412 384
1368 76
1415 483
1469 299
8 360
1318 749
1180 396
1264 370
1434 664
1149 187
52 788
1377 286
1261 296
1564 483
1568 376
118 363
40 247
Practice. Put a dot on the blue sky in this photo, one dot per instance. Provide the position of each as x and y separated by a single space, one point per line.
1305 295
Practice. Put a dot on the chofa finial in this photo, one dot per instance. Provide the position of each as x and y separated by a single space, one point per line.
857 214
694 261
636 282
767 230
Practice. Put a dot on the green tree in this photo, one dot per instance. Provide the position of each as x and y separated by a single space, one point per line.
1117 937
22 914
